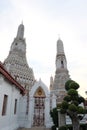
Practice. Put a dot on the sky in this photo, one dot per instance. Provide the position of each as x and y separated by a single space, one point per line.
45 21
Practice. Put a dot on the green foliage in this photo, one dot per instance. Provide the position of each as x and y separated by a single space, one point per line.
81 100
59 105
70 84
67 98
64 104
53 127
72 92
73 85
83 127
85 111
69 127
63 128
73 107
70 106
80 109
54 115
67 84
62 111
72 99
75 102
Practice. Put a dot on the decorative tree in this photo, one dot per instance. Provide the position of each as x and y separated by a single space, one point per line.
54 115
71 104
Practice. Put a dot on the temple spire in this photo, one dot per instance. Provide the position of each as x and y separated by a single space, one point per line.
60 48
51 83
20 33
60 57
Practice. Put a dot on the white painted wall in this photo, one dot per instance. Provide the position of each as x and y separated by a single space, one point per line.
10 120
22 118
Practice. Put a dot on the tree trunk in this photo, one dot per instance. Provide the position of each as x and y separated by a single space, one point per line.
75 124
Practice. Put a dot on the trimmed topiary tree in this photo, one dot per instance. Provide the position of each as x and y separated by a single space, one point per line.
54 115
71 104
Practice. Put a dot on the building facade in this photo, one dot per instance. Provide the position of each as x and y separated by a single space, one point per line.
10 94
34 107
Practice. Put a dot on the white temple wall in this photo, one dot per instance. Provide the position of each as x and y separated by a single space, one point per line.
47 113
9 121
29 122
22 116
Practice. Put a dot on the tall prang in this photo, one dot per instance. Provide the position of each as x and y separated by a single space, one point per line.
61 74
16 62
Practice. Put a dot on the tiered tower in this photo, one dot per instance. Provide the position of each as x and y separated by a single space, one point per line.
61 74
16 62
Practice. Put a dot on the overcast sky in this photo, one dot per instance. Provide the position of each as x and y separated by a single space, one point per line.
44 21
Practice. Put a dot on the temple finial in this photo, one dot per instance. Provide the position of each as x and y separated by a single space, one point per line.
22 22
58 36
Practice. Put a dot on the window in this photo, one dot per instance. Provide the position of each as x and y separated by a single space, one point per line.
4 108
62 64
16 44
15 106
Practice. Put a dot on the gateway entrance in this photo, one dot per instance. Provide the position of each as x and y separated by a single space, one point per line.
39 107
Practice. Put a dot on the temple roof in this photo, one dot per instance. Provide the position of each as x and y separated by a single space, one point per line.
6 74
